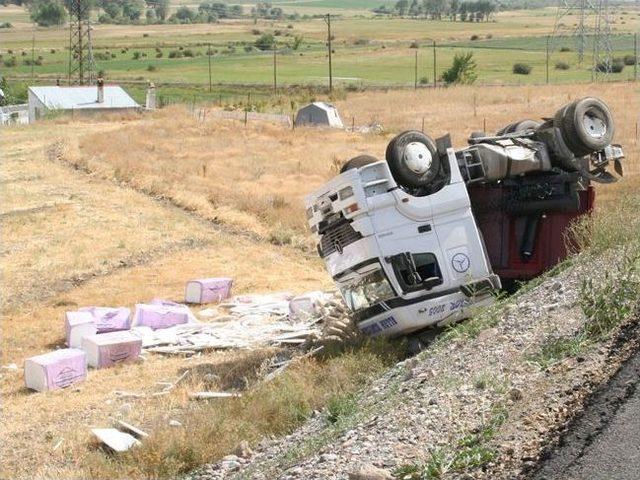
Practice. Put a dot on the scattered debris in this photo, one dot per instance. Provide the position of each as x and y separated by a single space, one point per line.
174 423
370 472
57 369
209 395
115 439
133 430
11 366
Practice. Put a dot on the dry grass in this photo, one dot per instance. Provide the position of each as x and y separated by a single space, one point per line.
253 178
253 183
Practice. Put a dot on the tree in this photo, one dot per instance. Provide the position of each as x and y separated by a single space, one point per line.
266 41
401 7
414 9
48 13
462 71
185 15
132 9
162 8
235 10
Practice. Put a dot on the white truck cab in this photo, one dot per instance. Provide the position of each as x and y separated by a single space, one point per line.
401 262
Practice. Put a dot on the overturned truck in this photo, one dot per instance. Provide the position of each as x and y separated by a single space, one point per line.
417 240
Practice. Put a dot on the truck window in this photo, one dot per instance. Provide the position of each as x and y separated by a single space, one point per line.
427 270
367 290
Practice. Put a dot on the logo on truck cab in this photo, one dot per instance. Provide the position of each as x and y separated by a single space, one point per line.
460 262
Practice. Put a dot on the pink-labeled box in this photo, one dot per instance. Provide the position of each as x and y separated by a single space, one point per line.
160 316
107 349
54 370
109 319
208 290
78 325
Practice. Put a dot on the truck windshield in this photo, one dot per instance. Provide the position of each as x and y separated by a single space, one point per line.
367 290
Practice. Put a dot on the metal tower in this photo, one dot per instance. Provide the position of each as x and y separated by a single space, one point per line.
81 65
592 28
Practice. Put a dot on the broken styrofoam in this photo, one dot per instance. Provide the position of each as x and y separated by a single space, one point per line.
109 319
107 349
208 290
133 429
160 316
210 395
115 439
77 325
57 369
306 306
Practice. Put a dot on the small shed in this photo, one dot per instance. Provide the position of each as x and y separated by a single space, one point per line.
320 114
79 100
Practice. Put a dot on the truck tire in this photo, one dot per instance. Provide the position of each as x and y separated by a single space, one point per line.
521 126
586 125
413 160
357 162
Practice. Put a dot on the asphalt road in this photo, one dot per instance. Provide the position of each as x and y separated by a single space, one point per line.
604 442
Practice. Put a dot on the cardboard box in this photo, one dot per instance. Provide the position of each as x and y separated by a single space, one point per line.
208 290
109 319
54 370
160 316
107 349
78 325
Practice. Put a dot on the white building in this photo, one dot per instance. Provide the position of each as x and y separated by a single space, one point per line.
79 100
320 114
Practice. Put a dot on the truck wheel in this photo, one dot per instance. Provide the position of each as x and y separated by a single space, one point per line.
357 162
413 160
521 126
586 125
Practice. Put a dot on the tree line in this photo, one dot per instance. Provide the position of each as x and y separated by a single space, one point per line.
48 13
454 10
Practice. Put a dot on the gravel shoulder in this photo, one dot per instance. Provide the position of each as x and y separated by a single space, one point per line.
478 403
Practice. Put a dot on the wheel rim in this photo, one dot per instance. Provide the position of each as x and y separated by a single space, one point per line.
417 157
594 124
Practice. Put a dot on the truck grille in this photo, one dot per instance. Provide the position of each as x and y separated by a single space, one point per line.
336 237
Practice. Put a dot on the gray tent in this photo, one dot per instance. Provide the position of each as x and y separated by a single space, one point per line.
319 113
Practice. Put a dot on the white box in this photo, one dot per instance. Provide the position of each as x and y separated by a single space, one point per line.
107 349
78 325
57 369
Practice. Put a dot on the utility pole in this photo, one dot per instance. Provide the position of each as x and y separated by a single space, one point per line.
547 56
275 68
328 21
435 80
415 72
33 50
635 55
209 55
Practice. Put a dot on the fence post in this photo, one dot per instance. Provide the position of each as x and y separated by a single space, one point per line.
422 125
635 54
547 54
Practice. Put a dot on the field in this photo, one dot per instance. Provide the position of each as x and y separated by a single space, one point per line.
122 210
367 50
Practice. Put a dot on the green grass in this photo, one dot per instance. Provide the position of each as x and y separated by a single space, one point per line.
470 452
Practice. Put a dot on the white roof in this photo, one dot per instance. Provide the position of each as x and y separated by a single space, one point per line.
323 105
67 98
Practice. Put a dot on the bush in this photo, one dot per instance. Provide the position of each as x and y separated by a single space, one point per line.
616 66
424 80
562 66
522 69
188 53
265 42
101 56
159 55
6 25
462 71
630 60
565 49
10 62
475 37
136 55
414 44
175 54
151 68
